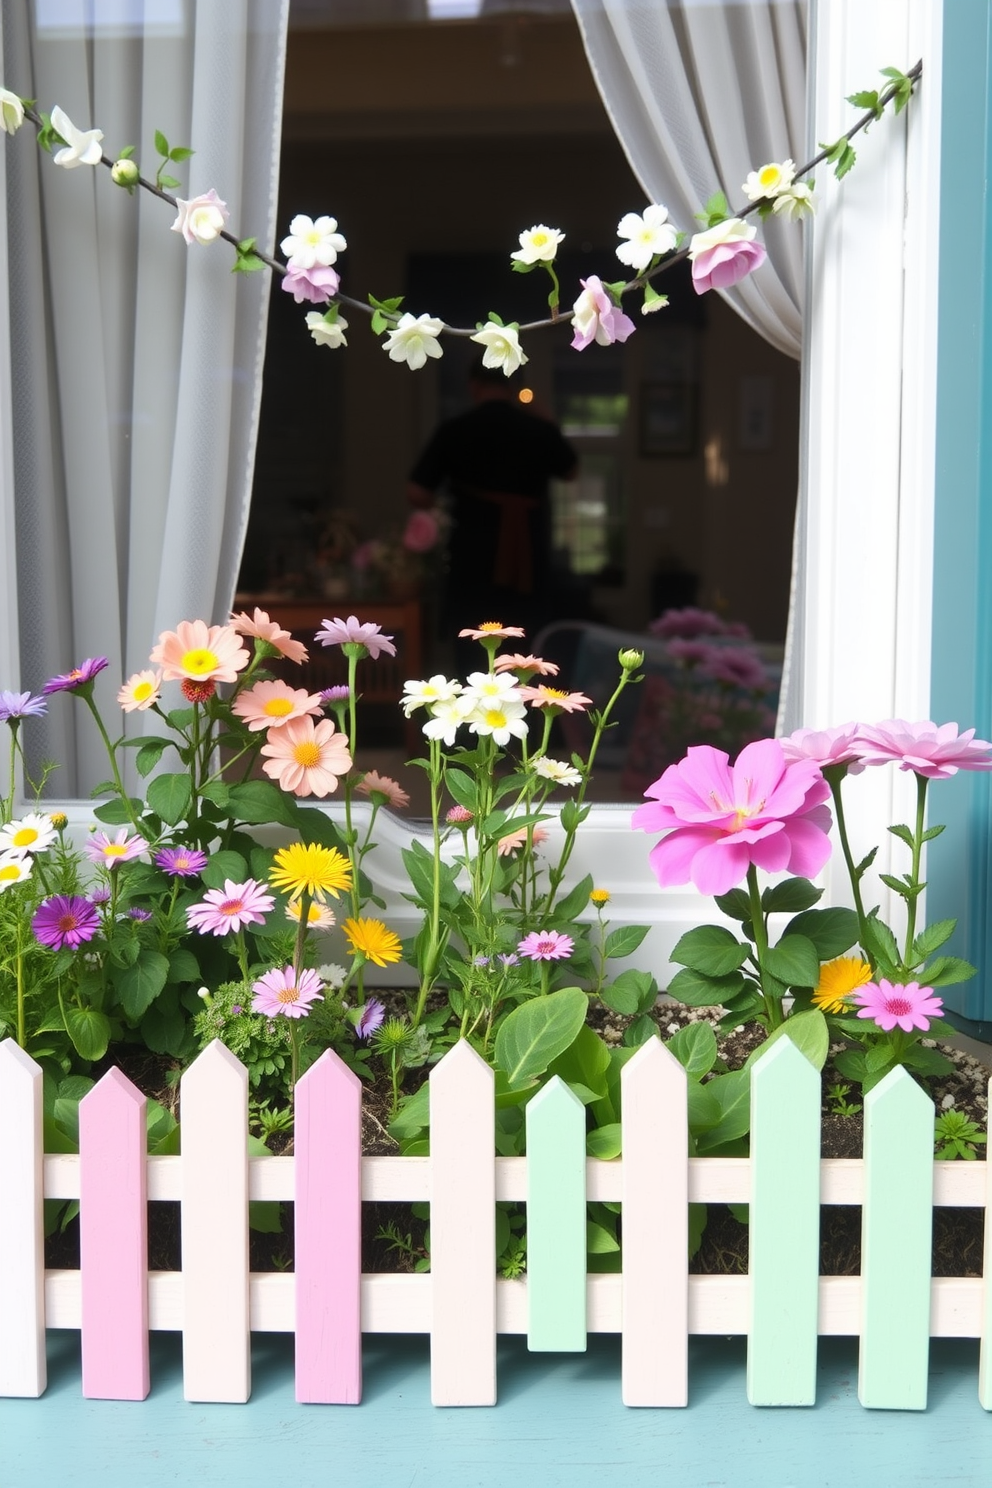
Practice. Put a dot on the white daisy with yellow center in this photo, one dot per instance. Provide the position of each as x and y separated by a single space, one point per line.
33 833
769 180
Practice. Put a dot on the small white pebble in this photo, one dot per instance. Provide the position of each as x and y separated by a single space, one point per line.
673 1027
947 1103
739 1028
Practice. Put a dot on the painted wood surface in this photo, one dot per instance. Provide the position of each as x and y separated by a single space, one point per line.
556 1220
216 1342
23 1369
784 1228
113 1240
896 1245
985 1352
655 1290
463 1230
328 1233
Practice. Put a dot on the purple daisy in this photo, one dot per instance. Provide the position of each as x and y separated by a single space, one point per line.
339 632
286 992
78 677
230 908
331 695
139 914
65 920
100 895
510 959
181 862
373 1013
546 945
14 705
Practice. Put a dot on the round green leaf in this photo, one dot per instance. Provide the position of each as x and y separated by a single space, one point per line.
710 949
169 796
538 1031
89 1031
794 961
141 983
695 1049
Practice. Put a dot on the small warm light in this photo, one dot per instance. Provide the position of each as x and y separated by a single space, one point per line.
526 395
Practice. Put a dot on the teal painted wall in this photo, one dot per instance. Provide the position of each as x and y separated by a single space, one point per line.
961 688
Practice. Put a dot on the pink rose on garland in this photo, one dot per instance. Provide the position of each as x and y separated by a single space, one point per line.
722 818
722 255
596 318
202 218
317 284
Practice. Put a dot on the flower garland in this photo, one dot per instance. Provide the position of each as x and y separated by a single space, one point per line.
725 251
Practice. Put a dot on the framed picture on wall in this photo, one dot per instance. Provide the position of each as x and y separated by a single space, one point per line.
668 418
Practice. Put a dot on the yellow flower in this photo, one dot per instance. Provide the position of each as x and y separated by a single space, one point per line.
599 897
371 939
308 868
838 979
319 917
59 820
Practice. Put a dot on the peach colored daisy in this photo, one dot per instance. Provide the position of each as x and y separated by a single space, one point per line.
307 758
200 652
140 691
492 630
395 795
514 840
272 704
264 629
555 697
518 663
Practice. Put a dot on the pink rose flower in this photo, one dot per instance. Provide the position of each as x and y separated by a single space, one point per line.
421 532
202 218
721 818
724 254
596 318
317 284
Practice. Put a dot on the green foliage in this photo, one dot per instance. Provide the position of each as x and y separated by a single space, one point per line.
956 1136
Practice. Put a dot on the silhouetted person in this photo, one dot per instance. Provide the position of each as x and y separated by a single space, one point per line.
496 460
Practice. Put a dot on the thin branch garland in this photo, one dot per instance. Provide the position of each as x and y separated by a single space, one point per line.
840 154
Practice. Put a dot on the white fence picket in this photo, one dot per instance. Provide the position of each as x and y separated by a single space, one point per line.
23 1369
985 1353
216 1338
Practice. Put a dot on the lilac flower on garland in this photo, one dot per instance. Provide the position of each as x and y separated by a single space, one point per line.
65 920
78 677
181 862
230 908
546 945
373 1013
15 705
339 632
284 992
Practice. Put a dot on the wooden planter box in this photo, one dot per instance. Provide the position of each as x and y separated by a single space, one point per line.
895 1306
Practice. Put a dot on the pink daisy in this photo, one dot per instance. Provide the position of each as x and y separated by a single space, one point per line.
286 993
263 629
890 1003
518 663
383 785
936 751
339 632
272 704
555 697
200 652
109 851
546 945
230 908
307 758
492 629
514 840
832 746
140 691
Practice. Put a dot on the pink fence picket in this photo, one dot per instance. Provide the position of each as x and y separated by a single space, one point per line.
113 1240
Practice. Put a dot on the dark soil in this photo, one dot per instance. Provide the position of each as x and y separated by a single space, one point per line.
958 1233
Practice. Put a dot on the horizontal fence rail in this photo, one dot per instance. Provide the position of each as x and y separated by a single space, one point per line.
894 1307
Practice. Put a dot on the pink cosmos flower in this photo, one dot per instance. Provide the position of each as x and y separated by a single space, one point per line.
518 663
833 746
317 285
200 653
721 818
513 841
490 629
383 785
339 632
271 704
546 945
688 624
263 629
421 532
724 254
284 993
890 1003
230 908
78 677
596 318
109 851
554 697
306 758
937 751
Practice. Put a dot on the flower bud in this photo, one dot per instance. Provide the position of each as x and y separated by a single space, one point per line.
11 111
630 660
125 173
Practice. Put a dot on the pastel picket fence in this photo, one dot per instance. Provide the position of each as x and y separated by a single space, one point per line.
895 1306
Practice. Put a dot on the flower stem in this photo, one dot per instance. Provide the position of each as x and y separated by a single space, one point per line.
836 785
773 1008
22 1035
112 756
914 883
8 805
434 943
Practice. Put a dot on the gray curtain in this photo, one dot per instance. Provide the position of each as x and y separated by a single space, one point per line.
699 94
136 361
